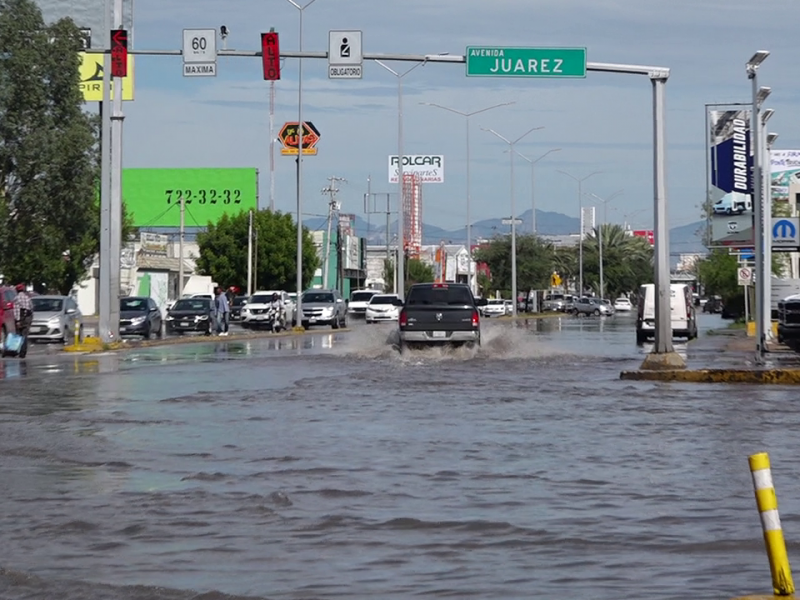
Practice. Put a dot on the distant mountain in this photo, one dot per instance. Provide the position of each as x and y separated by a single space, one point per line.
686 239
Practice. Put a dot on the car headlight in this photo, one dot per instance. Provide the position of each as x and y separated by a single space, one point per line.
170 318
327 309
54 321
137 320
201 318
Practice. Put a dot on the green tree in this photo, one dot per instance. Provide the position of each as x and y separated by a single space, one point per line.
536 260
223 251
417 271
627 261
49 159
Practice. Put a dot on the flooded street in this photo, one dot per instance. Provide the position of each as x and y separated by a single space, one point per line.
329 466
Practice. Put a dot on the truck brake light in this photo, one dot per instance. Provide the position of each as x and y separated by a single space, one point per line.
476 321
403 319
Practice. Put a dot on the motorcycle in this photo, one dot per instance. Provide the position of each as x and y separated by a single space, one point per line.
276 319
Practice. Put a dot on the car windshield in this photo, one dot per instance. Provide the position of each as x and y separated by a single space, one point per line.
376 299
189 304
439 295
324 297
361 296
133 304
556 297
239 301
497 302
262 299
47 304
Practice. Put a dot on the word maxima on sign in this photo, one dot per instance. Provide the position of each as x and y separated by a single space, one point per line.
429 168
199 52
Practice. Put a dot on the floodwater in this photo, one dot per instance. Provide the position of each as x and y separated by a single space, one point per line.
329 466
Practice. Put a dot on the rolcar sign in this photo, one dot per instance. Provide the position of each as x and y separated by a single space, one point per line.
428 167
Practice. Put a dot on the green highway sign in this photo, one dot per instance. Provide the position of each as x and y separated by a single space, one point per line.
492 61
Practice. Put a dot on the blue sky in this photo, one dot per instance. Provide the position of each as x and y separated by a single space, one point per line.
602 123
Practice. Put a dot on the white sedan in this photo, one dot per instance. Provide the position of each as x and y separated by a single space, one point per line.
622 304
382 307
495 308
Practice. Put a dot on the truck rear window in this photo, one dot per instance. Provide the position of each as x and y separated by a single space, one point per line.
457 295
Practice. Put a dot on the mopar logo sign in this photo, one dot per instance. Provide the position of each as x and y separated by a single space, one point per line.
786 233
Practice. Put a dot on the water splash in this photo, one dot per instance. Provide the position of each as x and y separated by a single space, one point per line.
500 341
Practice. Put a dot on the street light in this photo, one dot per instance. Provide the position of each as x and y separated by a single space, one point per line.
401 282
467 116
511 153
299 305
766 224
600 233
533 198
758 96
580 218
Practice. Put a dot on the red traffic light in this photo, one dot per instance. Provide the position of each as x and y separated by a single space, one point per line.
271 56
119 53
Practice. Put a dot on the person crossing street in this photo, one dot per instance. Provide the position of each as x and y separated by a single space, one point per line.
23 316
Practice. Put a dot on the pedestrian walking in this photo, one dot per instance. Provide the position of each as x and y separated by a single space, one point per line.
23 316
222 311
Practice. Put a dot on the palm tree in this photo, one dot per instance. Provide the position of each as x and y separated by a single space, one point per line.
627 260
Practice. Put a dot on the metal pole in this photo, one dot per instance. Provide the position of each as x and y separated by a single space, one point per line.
300 180
105 187
401 282
272 146
250 255
388 235
115 229
469 214
327 246
600 244
766 228
580 239
180 248
533 199
513 239
663 330
758 207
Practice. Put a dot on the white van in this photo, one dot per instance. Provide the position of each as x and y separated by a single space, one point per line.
734 203
684 319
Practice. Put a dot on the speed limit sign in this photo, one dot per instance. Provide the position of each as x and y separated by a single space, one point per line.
745 276
199 52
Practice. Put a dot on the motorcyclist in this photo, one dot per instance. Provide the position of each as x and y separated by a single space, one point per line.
276 313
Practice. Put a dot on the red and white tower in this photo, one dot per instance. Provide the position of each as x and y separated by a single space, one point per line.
412 214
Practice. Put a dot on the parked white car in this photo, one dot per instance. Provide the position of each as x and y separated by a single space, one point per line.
382 307
359 299
495 307
622 304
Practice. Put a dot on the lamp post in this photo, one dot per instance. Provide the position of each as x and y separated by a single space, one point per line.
511 153
600 234
533 197
758 96
580 218
467 116
400 289
299 305
766 234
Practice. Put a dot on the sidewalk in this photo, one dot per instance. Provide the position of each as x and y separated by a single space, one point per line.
729 356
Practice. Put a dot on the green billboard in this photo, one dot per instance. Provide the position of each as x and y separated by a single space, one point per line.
153 196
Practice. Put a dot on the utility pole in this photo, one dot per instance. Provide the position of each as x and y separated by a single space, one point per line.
180 247
333 208
250 255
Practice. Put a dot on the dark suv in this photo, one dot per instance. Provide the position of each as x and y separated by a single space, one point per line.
436 314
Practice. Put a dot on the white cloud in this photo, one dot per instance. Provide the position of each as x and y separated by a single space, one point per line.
601 123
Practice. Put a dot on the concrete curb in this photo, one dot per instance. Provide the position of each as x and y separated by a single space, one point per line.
760 376
92 345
